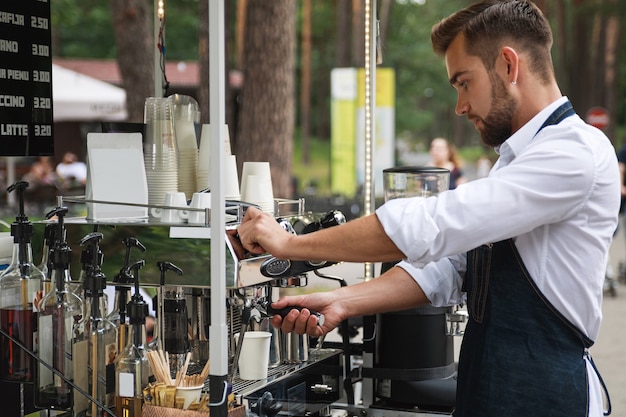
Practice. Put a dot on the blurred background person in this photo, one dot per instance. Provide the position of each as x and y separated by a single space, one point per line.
72 172
41 172
443 155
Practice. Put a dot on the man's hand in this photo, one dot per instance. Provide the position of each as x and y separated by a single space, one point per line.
303 322
260 233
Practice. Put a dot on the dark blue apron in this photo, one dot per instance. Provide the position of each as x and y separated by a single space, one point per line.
520 357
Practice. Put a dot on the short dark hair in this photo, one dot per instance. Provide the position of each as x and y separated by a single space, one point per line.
489 24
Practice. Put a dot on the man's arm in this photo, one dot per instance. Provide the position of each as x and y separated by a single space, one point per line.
393 291
360 240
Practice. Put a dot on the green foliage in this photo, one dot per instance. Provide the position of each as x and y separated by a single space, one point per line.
181 29
424 99
84 29
424 95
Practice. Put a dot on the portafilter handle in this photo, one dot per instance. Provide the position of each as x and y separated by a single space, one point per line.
268 310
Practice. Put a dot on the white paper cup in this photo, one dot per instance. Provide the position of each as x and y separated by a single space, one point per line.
255 355
172 199
259 192
189 394
204 151
260 169
199 201
169 215
231 180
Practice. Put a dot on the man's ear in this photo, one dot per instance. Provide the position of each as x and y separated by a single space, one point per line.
510 63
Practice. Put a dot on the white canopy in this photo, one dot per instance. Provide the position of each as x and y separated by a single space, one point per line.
78 97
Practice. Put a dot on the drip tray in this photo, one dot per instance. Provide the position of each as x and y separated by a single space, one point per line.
274 374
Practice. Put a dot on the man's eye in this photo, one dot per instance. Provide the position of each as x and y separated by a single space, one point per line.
463 84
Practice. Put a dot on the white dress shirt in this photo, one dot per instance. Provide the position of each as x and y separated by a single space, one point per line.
555 192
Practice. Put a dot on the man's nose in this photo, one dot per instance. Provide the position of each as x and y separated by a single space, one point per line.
461 106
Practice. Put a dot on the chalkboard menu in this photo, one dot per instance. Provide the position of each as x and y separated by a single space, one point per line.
26 122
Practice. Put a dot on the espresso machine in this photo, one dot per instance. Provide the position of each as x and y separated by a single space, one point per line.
302 377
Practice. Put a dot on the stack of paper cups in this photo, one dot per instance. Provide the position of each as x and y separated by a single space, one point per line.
203 175
231 179
160 152
186 115
256 185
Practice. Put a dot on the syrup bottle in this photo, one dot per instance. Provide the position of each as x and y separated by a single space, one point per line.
157 341
87 261
98 332
60 308
132 368
20 294
122 293
45 266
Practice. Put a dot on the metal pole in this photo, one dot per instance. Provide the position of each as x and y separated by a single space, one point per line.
370 113
369 196
218 331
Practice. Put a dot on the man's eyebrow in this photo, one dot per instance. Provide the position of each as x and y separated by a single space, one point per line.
455 77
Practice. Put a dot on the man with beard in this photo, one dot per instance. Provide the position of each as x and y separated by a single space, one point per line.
526 245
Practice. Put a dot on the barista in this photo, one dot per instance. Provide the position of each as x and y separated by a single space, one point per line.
527 245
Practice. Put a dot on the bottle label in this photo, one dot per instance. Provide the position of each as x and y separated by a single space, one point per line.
126 385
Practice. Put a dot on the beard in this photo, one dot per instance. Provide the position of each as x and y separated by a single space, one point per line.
498 125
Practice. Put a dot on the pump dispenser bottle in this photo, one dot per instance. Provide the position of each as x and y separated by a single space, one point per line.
157 341
45 266
89 258
98 332
123 279
20 294
59 310
132 369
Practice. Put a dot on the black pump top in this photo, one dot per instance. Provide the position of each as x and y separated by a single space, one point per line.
22 228
165 266
91 255
137 308
94 281
123 277
60 251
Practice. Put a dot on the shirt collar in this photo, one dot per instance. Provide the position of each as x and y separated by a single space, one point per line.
522 137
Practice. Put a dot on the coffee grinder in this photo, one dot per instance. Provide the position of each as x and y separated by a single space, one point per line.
414 359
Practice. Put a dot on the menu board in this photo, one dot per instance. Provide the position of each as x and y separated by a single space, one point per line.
26 123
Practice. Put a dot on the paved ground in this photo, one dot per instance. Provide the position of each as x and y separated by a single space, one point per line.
609 352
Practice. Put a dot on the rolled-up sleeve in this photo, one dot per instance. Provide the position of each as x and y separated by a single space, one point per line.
400 218
441 280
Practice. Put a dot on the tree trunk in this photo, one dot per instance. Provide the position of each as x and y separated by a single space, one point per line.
267 98
203 61
305 81
560 43
580 59
358 33
611 60
135 52
344 13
